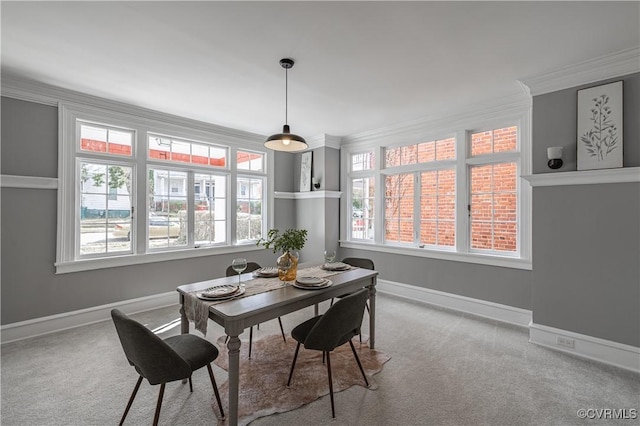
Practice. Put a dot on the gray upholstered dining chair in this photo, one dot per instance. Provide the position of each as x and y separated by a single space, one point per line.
162 361
252 266
334 328
358 262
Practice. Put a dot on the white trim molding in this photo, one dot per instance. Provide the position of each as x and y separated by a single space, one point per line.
472 116
593 348
586 177
476 258
616 64
59 322
33 91
28 182
306 195
481 308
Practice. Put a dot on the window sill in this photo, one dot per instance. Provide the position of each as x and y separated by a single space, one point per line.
138 259
477 258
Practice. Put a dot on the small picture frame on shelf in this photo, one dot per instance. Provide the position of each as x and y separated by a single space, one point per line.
599 130
306 164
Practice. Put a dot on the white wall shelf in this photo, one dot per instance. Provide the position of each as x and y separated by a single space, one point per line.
305 195
585 177
28 182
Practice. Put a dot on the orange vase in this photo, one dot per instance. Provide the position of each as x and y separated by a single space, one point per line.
290 273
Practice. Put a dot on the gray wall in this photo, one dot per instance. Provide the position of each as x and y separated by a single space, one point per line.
506 286
555 122
320 216
29 287
586 239
586 254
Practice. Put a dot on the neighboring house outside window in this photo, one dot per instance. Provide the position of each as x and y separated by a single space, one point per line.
132 187
457 196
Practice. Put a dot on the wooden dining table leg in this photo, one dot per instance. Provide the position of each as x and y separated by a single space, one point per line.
234 376
184 322
372 313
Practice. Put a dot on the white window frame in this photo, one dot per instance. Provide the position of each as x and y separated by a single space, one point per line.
145 122
361 174
514 115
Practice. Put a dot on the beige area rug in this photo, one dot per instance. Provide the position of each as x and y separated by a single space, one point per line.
263 378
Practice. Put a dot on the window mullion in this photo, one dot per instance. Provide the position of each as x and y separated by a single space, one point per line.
417 215
463 189
232 205
379 219
191 209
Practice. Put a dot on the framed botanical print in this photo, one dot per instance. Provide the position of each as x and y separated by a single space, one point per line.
306 163
599 133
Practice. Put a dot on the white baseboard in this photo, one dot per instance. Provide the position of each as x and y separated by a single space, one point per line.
45 325
482 308
601 350
606 351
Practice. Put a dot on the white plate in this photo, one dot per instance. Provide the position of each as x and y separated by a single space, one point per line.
240 292
267 272
336 266
310 280
328 283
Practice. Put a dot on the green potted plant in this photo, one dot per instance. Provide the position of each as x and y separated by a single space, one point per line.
288 243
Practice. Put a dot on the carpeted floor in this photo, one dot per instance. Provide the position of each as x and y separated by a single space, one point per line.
447 368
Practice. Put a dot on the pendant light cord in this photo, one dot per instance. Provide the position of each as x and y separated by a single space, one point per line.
286 95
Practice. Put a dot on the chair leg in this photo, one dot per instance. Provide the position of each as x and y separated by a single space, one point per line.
355 354
282 330
158 406
293 364
131 398
190 385
333 410
215 389
366 305
250 340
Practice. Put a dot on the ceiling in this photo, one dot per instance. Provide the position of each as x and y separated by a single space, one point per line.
359 66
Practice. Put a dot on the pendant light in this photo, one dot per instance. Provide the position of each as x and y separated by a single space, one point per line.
286 141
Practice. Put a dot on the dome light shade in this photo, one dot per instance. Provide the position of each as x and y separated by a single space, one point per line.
286 141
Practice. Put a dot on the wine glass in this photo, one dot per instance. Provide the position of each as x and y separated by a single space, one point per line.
284 264
239 265
329 256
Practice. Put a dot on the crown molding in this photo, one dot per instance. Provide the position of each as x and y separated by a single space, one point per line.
33 91
585 177
616 64
472 115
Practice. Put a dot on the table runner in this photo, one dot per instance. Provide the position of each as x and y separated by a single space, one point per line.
197 310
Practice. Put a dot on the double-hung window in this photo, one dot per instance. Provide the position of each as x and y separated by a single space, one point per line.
420 193
134 189
362 193
493 175
456 196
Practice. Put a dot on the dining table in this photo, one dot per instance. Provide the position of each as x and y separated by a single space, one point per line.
265 299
